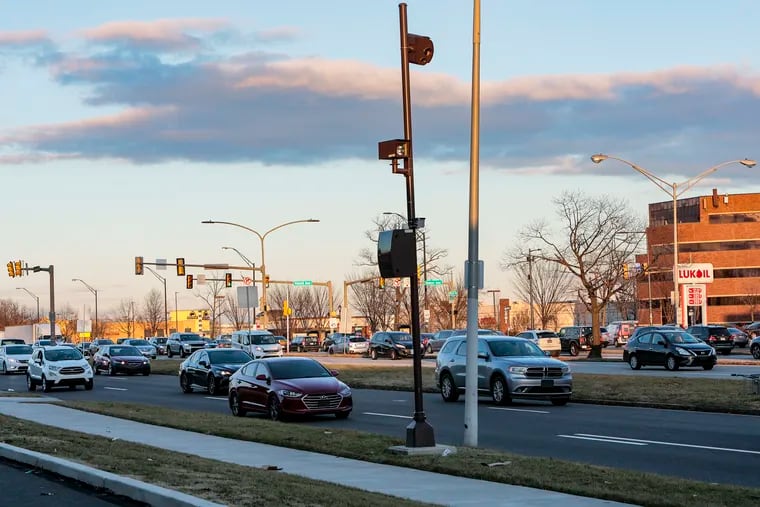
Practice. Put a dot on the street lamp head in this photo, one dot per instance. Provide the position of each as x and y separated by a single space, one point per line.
312 220
207 222
748 163
598 158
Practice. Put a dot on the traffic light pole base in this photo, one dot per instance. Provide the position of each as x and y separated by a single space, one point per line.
420 434
435 450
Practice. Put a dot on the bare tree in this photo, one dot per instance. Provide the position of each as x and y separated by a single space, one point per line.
235 314
212 295
752 301
520 321
376 304
13 314
550 284
152 314
125 317
587 247
310 305
66 319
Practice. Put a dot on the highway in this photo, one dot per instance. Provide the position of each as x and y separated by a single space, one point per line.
720 448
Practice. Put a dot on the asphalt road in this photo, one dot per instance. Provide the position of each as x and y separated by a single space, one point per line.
23 485
720 448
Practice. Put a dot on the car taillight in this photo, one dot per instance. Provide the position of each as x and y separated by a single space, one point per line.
712 338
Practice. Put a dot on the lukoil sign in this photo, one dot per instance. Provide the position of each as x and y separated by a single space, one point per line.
695 273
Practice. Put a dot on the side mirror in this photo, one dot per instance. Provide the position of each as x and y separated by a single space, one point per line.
334 373
483 355
203 363
547 353
263 378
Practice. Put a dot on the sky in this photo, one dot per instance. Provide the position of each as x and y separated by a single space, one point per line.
124 125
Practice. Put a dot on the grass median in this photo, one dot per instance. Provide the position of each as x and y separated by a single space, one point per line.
693 393
545 473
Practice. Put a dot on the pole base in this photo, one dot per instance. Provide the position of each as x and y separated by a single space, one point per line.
420 434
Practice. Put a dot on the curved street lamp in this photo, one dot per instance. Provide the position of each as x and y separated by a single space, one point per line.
94 291
674 190
262 268
35 297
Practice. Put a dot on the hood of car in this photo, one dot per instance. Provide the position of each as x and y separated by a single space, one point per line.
127 358
71 362
692 346
316 385
192 342
268 346
19 357
529 361
145 347
230 367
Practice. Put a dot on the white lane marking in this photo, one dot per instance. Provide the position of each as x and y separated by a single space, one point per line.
116 388
608 440
215 398
388 415
673 444
521 410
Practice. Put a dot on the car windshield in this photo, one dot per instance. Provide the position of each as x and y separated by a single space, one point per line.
45 342
14 350
137 343
283 370
400 337
67 354
228 357
160 341
263 340
190 337
681 337
514 348
103 342
125 351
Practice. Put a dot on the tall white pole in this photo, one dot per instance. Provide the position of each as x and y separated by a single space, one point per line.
676 313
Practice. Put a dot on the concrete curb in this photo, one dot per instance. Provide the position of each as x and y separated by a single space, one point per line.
155 496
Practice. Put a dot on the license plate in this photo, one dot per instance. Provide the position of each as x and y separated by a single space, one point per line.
547 383
549 340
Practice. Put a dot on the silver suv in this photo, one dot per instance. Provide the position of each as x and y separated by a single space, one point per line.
184 344
508 368
56 366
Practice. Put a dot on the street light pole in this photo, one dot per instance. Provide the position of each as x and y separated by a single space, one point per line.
176 313
35 297
495 311
649 274
166 314
94 291
530 284
262 268
672 189
253 281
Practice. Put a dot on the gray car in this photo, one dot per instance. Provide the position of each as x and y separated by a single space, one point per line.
508 368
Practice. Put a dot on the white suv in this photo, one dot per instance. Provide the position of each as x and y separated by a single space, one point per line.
58 366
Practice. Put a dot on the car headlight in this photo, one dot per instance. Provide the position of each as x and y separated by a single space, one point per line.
12 361
121 362
345 391
54 368
520 370
566 370
400 346
259 349
682 351
225 372
712 351
289 394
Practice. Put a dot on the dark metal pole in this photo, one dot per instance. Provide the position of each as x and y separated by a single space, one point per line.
94 331
166 312
530 289
52 303
419 433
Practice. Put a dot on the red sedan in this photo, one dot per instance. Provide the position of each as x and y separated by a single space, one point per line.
288 386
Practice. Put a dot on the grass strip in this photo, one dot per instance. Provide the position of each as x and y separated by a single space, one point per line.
544 473
205 478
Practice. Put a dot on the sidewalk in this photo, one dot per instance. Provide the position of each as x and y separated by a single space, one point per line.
403 482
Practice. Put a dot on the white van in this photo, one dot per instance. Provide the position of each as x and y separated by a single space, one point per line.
257 342
621 330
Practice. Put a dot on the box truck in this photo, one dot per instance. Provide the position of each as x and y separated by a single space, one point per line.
31 333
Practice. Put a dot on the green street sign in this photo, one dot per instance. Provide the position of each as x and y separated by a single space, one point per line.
452 296
302 282
434 281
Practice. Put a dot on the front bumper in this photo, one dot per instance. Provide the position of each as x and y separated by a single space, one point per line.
541 388
130 368
314 404
709 360
16 367
68 380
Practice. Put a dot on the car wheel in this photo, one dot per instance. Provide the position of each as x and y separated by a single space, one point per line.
46 387
499 391
342 415
213 389
274 408
755 351
633 362
574 349
235 407
449 391
181 353
708 366
671 363
373 354
184 384
169 353
146 372
560 402
331 351
88 385
394 355
30 384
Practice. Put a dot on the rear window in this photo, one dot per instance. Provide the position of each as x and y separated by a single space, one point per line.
547 334
190 337
719 331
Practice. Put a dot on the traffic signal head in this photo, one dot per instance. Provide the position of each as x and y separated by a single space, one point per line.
189 281
138 265
19 271
626 275
11 270
381 282
180 266
266 281
228 280
286 308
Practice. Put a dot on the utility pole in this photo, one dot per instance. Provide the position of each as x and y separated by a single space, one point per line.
530 284
495 310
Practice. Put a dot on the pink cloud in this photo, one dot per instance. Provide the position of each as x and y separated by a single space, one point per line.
20 38
170 33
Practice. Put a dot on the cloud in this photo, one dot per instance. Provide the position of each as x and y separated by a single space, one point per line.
23 38
214 106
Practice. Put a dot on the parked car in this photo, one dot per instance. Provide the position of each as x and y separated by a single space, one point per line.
392 344
258 343
425 340
548 341
620 331
754 347
210 369
304 343
604 337
119 341
325 346
84 348
210 344
114 359
43 343
288 386
718 337
439 338
741 339
15 358
160 343
753 330
349 344
144 346
97 343
508 368
671 348
56 366
11 341
183 344
573 339
223 343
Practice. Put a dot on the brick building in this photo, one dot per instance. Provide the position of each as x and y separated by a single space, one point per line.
720 229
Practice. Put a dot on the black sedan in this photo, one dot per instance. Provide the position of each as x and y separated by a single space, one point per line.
210 369
669 348
113 359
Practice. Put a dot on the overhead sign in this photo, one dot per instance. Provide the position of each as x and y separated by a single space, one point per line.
247 296
695 273
301 282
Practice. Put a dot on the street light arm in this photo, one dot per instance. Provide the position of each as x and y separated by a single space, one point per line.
160 278
308 220
245 259
661 183
86 285
234 225
699 177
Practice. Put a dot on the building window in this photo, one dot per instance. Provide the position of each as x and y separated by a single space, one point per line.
709 246
661 213
733 218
